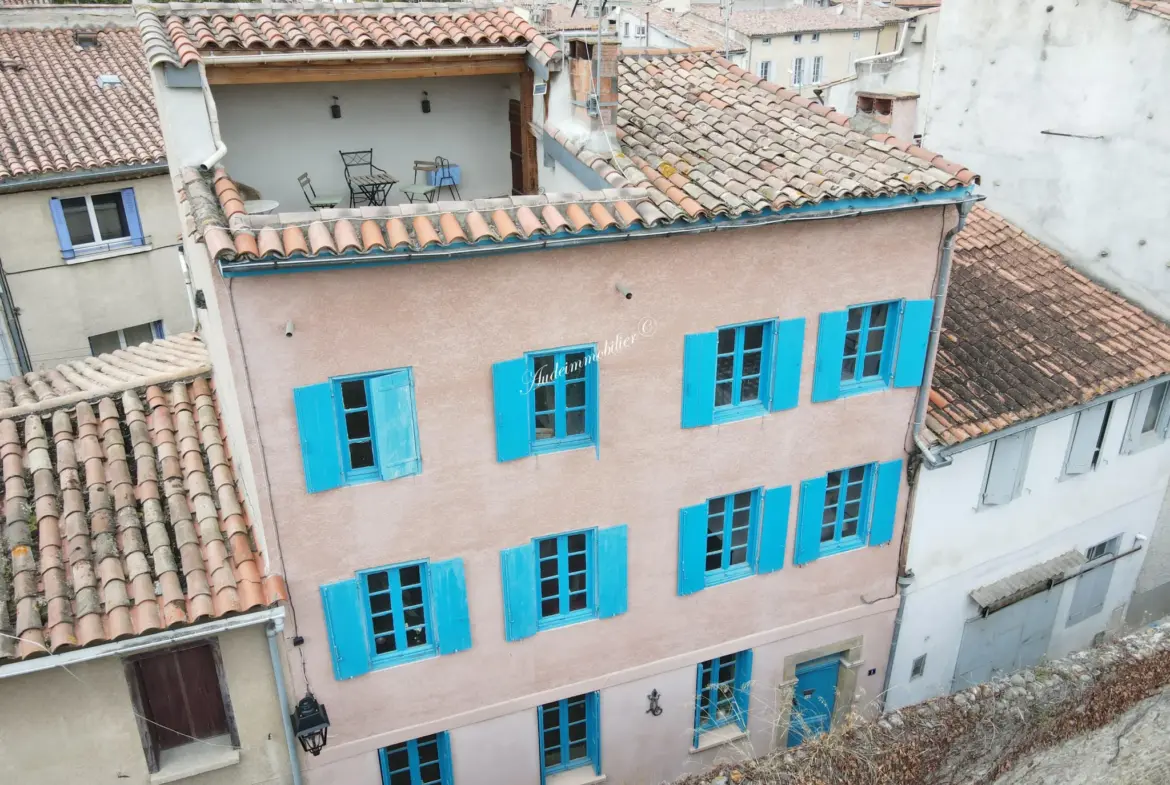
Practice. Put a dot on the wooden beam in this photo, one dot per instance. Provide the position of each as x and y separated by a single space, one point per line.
340 71
528 172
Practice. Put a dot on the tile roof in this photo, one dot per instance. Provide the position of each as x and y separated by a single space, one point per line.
54 117
1024 335
181 34
1027 582
215 212
122 516
693 30
561 17
707 138
883 11
1159 8
798 19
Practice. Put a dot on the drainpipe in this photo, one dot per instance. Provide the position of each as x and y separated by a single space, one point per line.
274 628
213 120
904 582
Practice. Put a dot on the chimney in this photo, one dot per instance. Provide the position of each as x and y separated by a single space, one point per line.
593 85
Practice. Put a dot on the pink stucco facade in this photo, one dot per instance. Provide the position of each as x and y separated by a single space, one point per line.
450 322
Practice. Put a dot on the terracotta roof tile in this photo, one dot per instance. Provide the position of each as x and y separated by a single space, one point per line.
182 34
1024 334
800 19
122 512
1158 8
54 115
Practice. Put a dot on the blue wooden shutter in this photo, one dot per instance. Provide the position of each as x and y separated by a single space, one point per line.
395 426
133 222
510 388
808 525
346 624
446 775
743 687
786 370
773 529
320 441
830 353
698 399
885 502
913 341
63 238
592 405
518 573
449 606
692 548
593 729
612 570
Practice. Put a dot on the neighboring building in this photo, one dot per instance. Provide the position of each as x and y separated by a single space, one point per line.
133 602
1067 108
88 250
804 46
521 481
554 17
1045 466
651 27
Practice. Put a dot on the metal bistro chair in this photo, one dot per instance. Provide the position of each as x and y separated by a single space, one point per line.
426 190
366 181
316 202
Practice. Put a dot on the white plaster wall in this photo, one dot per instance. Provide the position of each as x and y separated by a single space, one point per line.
955 547
1009 70
275 132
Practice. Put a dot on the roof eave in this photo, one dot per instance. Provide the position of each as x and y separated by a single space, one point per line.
40 182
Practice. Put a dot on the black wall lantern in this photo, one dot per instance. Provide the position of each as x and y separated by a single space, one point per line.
426 103
311 725
335 110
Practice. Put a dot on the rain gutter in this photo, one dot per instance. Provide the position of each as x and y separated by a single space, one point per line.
367 54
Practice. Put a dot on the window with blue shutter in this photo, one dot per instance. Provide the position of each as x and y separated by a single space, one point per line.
546 401
570 734
399 613
564 579
731 537
358 429
847 509
96 223
857 348
422 761
722 692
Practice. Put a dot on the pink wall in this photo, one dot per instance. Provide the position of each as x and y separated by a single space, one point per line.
450 322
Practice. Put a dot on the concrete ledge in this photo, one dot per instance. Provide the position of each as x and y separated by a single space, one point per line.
198 757
718 737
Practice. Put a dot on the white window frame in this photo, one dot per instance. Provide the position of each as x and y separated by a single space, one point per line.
767 40
1021 468
99 244
856 35
797 37
1077 440
626 30
816 37
818 69
157 328
797 71
1135 440
765 70
640 31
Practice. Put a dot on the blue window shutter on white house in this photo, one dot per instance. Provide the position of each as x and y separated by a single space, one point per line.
133 222
885 502
786 369
913 341
612 570
449 606
773 529
518 577
395 426
698 399
743 687
692 548
320 443
808 525
346 625
62 228
830 353
510 388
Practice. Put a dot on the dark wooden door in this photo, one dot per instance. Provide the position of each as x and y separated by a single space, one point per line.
517 146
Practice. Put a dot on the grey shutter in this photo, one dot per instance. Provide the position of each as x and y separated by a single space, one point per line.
1005 473
1089 595
1085 438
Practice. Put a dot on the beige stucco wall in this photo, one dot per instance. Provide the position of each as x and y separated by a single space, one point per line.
450 321
63 727
61 304
836 46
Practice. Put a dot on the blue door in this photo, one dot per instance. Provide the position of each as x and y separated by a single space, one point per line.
816 693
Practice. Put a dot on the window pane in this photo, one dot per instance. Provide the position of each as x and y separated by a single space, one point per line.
574 423
357 425
139 333
361 455
544 367
1157 397
877 315
414 617
549 587
578 751
412 596
111 216
851 340
739 537
751 363
417 637
548 568
548 547
77 221
715 506
852 492
727 341
852 510
379 603
872 366
576 545
830 515
409 576
353 394
857 474
832 495
575 394
546 398
576 710
714 560
739 518
429 774
848 369
577 562
750 390
854 319
104 343
724 367
377 581
401 778
875 340
385 644
849 528
383 624
753 337
428 749
575 365
552 737
552 757
544 426
723 394
397 757
550 607
577 601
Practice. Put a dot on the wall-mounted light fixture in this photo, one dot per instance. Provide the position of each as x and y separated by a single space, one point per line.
426 103
654 709
335 110
311 725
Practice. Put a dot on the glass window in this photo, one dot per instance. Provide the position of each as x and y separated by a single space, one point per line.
741 365
563 400
98 220
127 336
847 501
565 572
357 427
721 692
399 616
421 761
869 342
732 521
569 733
